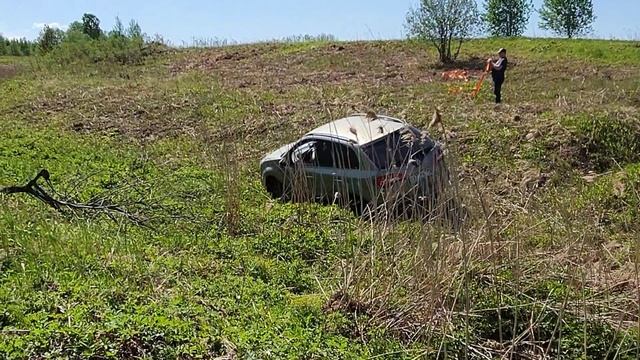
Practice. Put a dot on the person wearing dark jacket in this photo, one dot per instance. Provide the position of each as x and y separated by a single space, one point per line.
498 69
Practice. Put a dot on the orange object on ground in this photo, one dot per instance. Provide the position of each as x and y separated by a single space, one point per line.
479 84
457 74
455 90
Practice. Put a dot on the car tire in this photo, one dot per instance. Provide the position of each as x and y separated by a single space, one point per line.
275 188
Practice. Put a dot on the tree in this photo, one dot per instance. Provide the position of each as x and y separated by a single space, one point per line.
443 23
75 28
569 18
507 17
3 45
118 29
91 26
134 31
49 38
14 48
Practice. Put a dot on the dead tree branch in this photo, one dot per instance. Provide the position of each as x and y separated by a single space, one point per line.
34 189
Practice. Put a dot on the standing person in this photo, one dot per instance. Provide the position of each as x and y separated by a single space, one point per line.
498 68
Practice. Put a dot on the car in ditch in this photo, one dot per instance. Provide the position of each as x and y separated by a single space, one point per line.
362 161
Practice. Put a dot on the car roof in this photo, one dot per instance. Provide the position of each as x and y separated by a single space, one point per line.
360 129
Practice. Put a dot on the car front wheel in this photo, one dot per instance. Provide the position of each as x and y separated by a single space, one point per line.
275 188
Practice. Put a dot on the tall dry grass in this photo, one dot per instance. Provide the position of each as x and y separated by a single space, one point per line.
458 270
416 272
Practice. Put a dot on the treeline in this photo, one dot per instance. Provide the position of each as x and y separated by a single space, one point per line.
16 47
85 40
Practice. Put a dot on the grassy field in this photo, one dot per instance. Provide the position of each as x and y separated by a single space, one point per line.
546 266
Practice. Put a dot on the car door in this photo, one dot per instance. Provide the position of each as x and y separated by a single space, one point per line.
307 160
350 176
323 171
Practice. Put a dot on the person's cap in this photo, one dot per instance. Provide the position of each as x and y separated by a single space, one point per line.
502 50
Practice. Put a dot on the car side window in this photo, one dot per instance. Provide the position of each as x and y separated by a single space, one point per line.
313 153
389 151
324 154
304 154
345 157
378 152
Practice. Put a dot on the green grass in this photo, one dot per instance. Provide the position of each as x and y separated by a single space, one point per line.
567 53
222 270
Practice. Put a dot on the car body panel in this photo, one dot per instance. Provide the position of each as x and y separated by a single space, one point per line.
278 153
359 129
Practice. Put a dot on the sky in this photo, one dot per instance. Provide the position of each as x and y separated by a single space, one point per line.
182 21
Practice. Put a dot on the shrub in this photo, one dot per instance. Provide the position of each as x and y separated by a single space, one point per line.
607 140
616 198
86 42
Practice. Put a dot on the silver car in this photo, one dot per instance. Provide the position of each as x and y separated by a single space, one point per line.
359 160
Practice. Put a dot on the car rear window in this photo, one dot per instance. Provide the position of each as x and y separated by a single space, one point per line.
396 148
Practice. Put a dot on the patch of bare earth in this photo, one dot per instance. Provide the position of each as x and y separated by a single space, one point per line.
8 71
129 112
272 67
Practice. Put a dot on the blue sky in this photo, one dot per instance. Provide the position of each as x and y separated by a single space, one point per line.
252 20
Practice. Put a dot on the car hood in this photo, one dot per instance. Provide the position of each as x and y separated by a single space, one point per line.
278 154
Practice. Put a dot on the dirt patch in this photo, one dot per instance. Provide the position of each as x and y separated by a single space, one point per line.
8 71
144 114
274 66
133 113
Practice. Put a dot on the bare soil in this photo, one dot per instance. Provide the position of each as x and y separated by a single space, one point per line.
8 71
268 66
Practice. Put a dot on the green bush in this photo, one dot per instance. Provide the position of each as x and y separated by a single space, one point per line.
616 197
79 47
606 140
86 43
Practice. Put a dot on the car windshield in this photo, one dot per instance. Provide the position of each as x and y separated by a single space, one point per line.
398 147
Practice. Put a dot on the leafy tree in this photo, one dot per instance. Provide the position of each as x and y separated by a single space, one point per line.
569 18
91 26
507 17
27 47
14 48
75 27
443 23
118 29
134 31
49 38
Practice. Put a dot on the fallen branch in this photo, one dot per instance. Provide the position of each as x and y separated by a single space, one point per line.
34 189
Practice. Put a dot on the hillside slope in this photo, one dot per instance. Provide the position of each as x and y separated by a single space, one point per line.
548 263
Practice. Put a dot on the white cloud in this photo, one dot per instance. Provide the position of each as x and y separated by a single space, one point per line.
29 33
53 25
